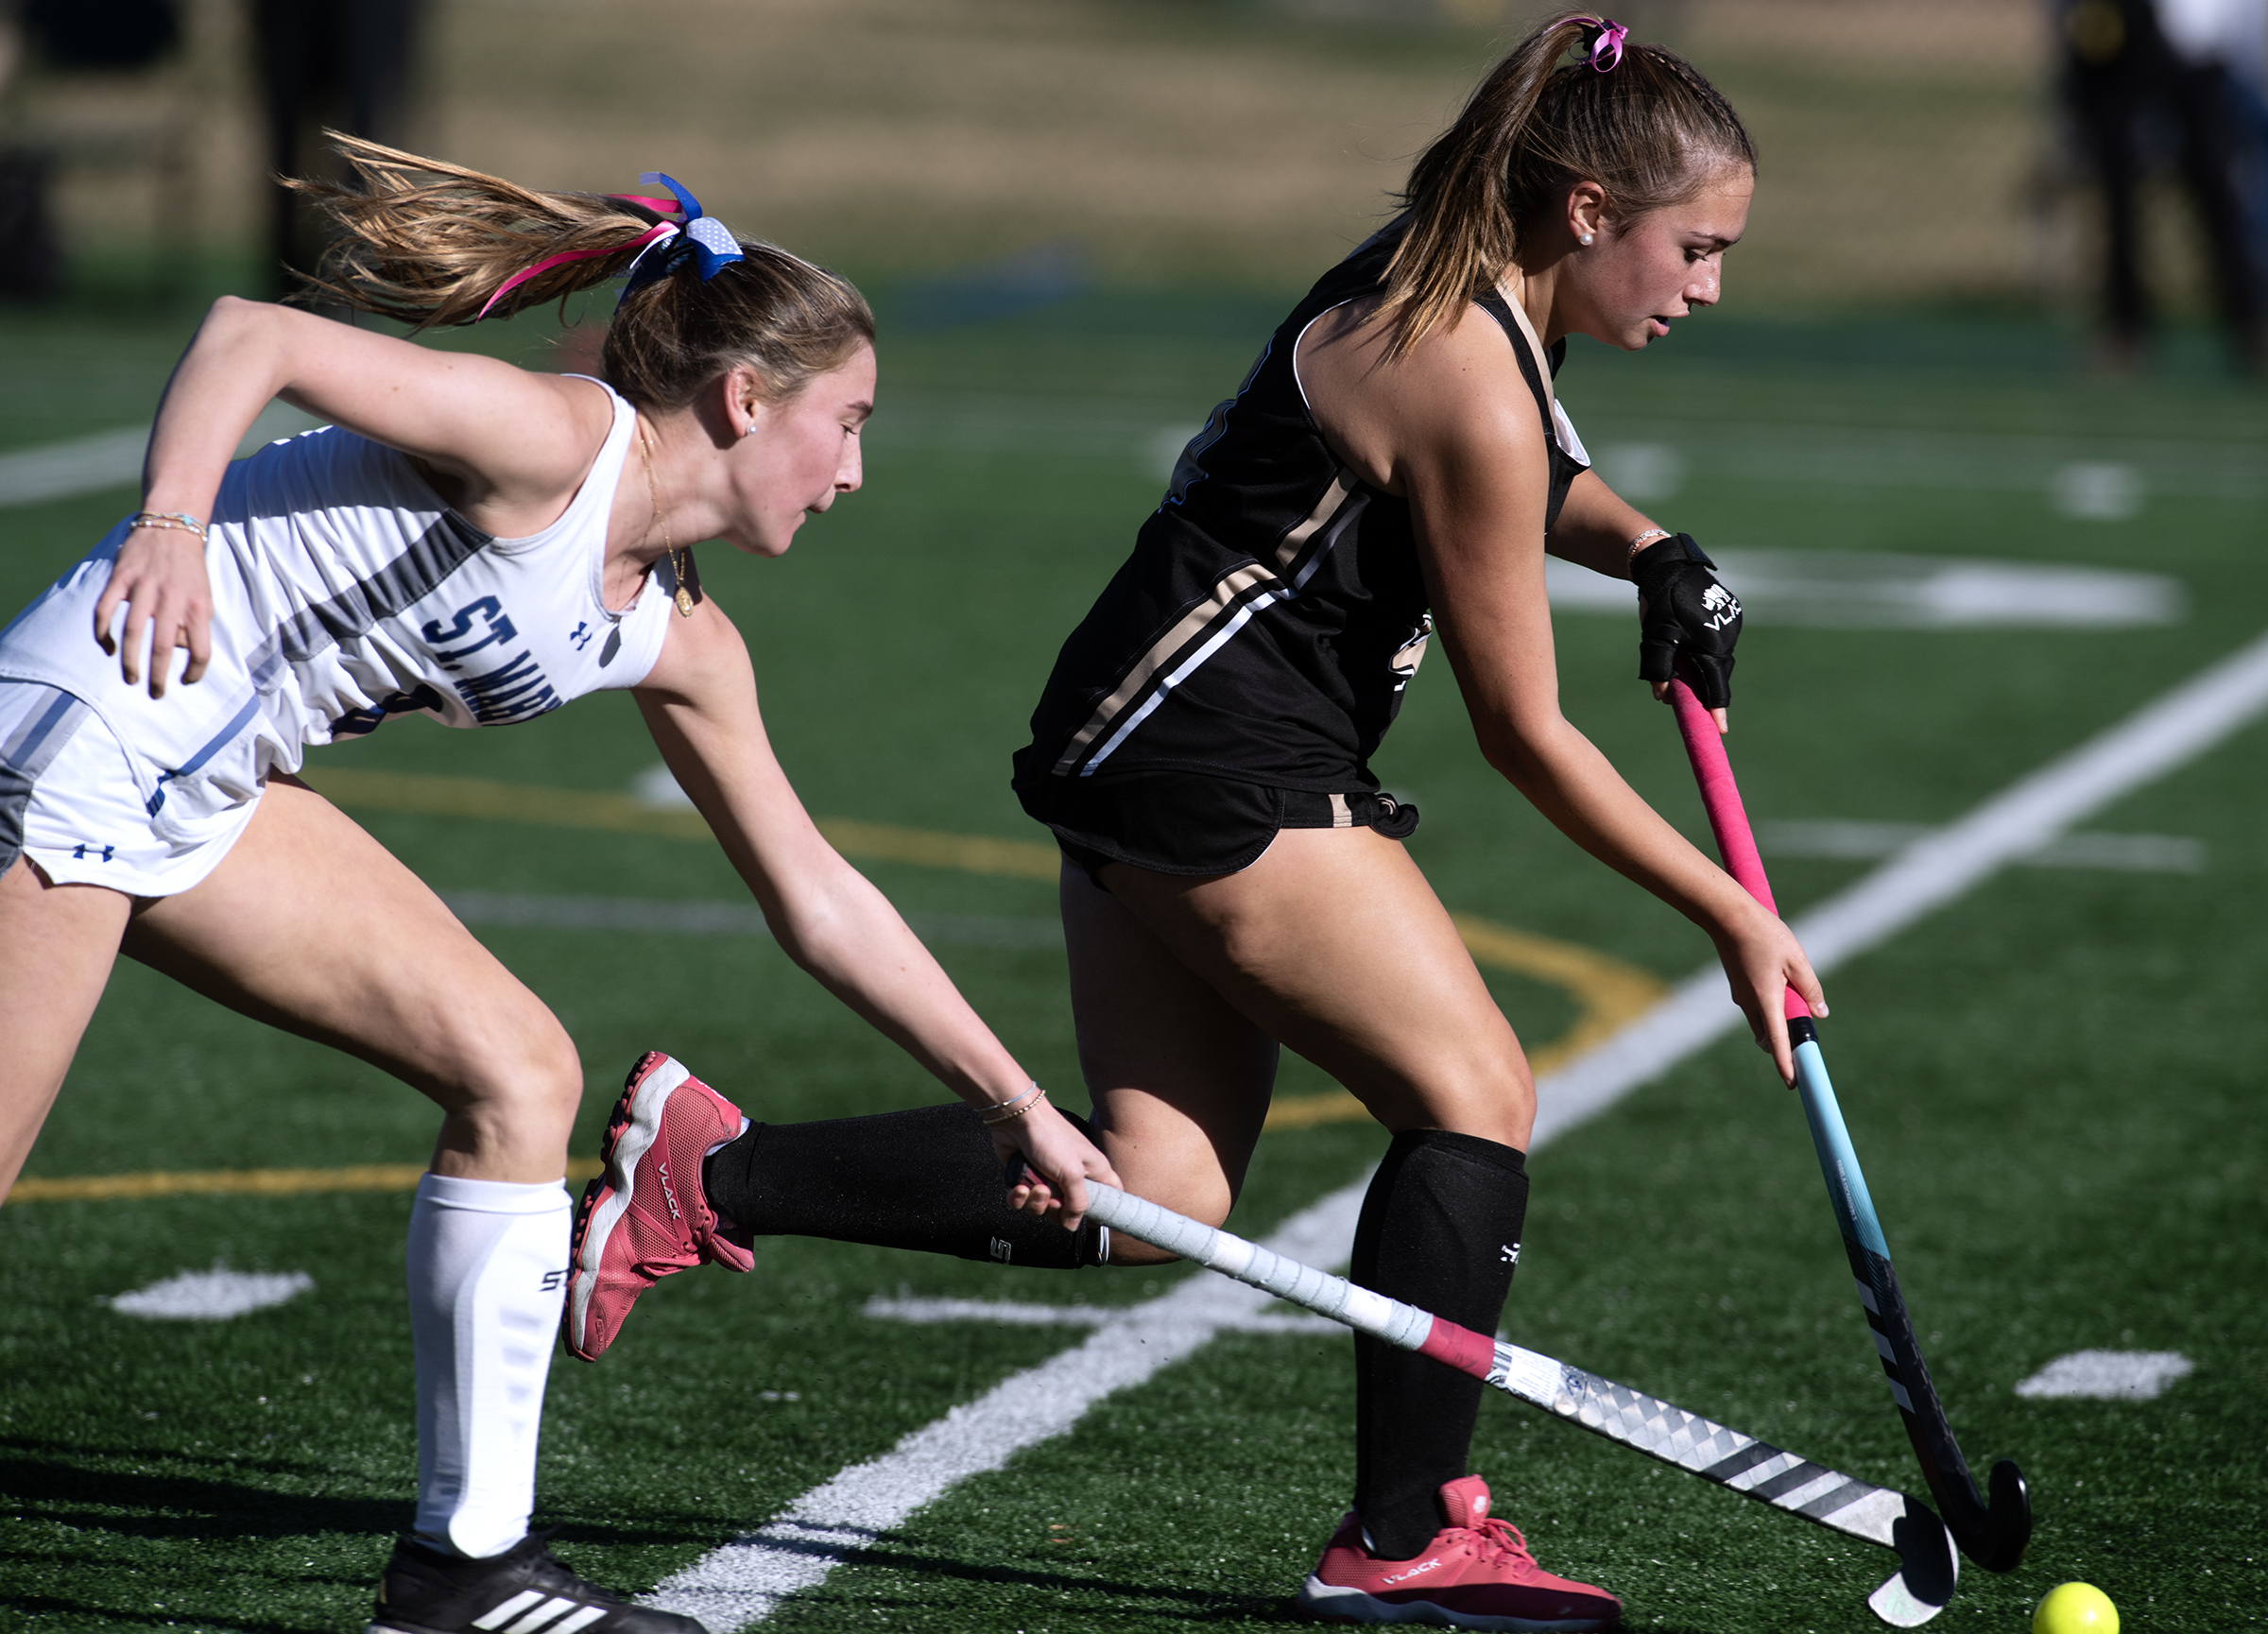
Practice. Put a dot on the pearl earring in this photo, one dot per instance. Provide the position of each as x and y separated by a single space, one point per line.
1583 238
749 430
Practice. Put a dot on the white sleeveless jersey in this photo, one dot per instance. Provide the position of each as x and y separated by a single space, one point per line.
345 591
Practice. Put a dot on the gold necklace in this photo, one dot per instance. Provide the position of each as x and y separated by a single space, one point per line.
677 559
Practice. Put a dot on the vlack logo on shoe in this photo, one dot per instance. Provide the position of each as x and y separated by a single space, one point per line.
1417 1570
669 1192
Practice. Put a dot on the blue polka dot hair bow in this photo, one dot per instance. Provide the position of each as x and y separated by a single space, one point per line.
702 239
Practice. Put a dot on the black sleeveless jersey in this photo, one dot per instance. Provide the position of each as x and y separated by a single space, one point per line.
1272 612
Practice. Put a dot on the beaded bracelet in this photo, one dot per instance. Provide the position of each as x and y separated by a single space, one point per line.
179 521
1008 1111
1645 538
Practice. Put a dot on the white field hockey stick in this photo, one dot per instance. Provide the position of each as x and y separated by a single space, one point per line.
1928 1567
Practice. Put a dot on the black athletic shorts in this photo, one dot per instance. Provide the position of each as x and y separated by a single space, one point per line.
1176 822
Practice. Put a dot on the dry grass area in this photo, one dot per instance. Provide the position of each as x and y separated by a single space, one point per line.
1181 140
1170 140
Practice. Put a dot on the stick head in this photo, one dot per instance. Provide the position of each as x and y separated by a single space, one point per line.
1928 1567
1994 1533
2007 1523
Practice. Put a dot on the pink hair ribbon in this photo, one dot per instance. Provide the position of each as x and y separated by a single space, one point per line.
1610 37
660 231
707 242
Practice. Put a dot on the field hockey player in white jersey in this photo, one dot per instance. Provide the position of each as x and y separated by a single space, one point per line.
481 544
1395 468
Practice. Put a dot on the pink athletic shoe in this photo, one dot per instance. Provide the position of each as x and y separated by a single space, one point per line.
645 1216
1476 1573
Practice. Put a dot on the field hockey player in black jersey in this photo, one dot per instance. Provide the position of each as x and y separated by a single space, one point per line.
1393 470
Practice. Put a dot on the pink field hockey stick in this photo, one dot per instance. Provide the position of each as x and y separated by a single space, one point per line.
1992 1534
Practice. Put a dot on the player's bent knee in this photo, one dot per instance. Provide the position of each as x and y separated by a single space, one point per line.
531 1084
1493 1105
551 1084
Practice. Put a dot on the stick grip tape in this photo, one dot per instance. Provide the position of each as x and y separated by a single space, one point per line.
1720 798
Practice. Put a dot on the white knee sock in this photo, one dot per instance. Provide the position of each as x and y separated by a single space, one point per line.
488 1274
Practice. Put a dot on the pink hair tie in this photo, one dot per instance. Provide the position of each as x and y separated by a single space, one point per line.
1610 37
652 236
663 230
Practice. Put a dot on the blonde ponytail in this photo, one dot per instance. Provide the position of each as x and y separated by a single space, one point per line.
1649 130
436 244
428 243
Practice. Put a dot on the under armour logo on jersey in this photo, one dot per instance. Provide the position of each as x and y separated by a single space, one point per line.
1508 1254
102 854
581 635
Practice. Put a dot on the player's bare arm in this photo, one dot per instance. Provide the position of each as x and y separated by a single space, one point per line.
1495 624
1434 428
700 702
506 448
1596 526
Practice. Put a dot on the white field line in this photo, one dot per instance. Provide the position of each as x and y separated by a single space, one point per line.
110 459
82 465
741 1583
719 918
1933 870
1152 433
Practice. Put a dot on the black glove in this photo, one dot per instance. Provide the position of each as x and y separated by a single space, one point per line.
1689 614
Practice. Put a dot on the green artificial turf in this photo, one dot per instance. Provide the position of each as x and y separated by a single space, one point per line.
2054 1083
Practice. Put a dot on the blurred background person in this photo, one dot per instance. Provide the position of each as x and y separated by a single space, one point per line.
27 258
2143 78
341 64
99 36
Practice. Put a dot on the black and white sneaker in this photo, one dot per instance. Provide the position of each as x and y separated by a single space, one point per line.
523 1590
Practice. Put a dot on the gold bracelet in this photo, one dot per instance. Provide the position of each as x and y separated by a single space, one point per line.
1645 538
180 521
1008 1111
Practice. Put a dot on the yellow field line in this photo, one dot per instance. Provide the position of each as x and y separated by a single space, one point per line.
970 853
1607 991
471 797
240 1183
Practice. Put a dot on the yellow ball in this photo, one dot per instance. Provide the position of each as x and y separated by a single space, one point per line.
2076 1609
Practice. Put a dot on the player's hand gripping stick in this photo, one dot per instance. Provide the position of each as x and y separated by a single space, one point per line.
1992 1534
1927 1568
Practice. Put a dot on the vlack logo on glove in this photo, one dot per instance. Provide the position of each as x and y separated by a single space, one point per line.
1685 612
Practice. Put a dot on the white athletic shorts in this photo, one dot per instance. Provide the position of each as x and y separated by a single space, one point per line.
74 802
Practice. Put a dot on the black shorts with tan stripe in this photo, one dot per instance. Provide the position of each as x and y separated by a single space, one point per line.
1188 823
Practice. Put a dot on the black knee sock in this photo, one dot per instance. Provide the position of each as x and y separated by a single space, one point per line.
1439 1229
927 1179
